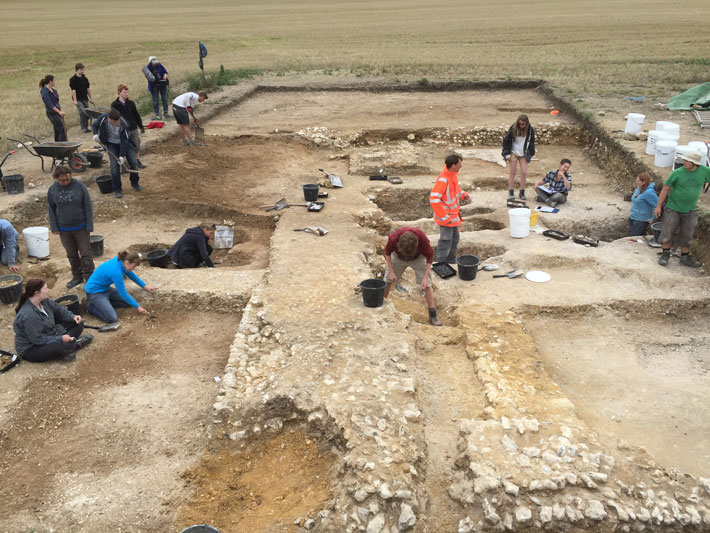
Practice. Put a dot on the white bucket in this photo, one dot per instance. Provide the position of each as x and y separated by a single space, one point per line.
519 222
702 148
662 124
672 129
634 121
37 241
664 153
223 237
680 150
653 137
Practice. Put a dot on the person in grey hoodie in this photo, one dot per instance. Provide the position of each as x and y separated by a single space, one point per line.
9 250
71 216
192 249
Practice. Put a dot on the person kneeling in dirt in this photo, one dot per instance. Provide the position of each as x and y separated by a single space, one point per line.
111 130
103 298
9 249
682 190
193 249
38 335
411 248
554 187
183 105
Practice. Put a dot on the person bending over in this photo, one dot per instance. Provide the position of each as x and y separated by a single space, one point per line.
193 249
183 105
43 329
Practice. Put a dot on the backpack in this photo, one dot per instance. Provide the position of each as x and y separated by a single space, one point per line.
148 74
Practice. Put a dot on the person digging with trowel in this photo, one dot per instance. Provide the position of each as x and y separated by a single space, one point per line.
183 105
193 249
410 247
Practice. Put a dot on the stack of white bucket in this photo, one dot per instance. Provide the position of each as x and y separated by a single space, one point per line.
662 143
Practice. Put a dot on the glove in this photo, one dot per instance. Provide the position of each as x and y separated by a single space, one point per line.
121 161
189 109
96 139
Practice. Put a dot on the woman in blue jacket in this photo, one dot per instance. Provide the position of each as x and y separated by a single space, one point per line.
50 97
643 202
103 298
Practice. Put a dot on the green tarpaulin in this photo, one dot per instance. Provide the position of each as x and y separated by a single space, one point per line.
699 94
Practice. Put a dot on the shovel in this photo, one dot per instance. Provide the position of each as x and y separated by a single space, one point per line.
199 133
511 274
105 327
335 181
315 230
278 206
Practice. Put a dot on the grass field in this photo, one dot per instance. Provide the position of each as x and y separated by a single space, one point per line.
607 47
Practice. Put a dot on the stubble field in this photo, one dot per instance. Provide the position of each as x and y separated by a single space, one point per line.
592 49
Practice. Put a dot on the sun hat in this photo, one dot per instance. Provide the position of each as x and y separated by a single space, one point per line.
152 58
693 156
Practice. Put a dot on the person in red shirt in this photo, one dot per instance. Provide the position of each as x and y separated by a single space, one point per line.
410 247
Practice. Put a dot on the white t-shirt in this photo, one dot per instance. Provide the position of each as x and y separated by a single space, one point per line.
186 100
519 145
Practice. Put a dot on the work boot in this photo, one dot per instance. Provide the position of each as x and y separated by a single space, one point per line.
118 194
84 341
137 187
522 194
540 199
193 142
688 261
552 204
511 194
433 318
665 257
185 141
140 165
76 280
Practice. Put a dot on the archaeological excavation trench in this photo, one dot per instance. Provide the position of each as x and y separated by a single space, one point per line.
266 397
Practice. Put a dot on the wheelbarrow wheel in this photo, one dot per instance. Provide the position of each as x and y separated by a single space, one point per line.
78 162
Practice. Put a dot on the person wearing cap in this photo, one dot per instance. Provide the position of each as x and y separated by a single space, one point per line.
159 87
183 105
681 193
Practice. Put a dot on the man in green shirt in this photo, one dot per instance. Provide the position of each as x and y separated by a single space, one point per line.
682 190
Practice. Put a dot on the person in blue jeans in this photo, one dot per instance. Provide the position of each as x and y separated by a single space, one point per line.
111 130
159 87
103 298
9 249
643 202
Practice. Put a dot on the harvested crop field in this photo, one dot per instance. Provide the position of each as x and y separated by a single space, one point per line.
265 397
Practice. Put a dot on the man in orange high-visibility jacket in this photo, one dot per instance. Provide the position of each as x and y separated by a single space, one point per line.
444 199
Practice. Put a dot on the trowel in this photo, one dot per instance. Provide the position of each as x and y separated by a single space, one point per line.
335 181
512 274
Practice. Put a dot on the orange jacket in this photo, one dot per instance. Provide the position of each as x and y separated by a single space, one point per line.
444 199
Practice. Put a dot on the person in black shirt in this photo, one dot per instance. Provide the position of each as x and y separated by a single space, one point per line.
81 95
128 110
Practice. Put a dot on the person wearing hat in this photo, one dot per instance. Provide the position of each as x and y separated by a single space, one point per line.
681 193
159 87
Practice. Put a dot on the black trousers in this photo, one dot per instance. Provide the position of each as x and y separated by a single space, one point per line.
53 350
60 133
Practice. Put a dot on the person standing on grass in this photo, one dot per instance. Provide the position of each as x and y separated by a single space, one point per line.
158 88
81 95
71 216
682 190
519 148
50 97
103 298
128 111
554 187
410 247
445 200
9 249
111 130
45 330
643 202
183 105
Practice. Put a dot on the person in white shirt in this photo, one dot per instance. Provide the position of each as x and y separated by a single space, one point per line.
182 105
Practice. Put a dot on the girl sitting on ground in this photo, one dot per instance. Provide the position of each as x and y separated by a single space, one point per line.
103 298
43 329
643 202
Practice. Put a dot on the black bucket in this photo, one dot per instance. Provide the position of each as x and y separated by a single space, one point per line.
97 245
71 302
94 158
373 292
468 266
200 528
310 192
104 183
158 258
14 183
10 288
656 228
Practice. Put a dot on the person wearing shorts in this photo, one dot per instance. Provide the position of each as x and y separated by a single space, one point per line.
682 191
410 247
518 148
183 105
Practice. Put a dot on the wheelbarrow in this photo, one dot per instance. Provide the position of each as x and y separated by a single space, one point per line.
61 153
96 112
2 163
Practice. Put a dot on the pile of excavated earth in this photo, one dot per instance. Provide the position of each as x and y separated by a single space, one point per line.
266 397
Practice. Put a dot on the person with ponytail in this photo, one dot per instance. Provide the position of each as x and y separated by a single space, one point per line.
643 202
43 329
50 97
103 298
